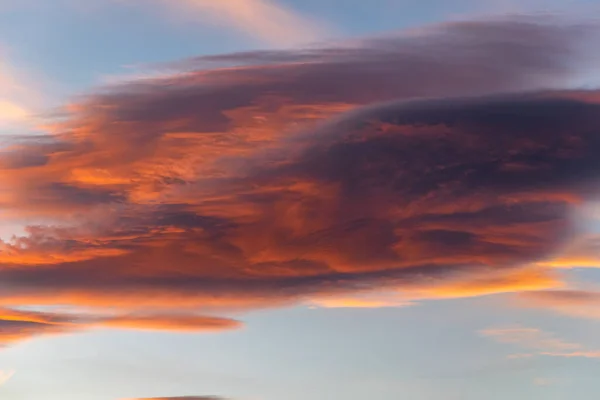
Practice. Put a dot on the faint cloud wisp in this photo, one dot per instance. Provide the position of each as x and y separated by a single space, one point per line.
265 20
5 376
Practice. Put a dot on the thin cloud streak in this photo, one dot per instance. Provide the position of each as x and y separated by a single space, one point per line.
5 376
574 303
529 338
17 326
538 342
13 98
181 398
21 98
265 20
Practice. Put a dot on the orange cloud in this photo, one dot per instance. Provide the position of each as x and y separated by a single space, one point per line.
581 252
302 229
573 303
285 180
468 285
516 281
16 326
172 323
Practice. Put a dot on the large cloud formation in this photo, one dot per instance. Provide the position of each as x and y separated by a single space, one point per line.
279 177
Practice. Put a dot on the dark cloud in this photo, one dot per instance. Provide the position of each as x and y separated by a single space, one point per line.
394 195
449 59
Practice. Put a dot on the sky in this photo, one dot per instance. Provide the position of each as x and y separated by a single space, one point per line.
285 199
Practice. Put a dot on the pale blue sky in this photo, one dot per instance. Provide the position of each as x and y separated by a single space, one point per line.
426 352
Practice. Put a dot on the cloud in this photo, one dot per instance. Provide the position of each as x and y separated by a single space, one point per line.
171 323
343 213
10 112
182 398
340 215
529 338
141 134
19 325
20 96
574 354
463 286
5 376
306 177
573 303
265 20
540 342
581 252
542 382
13 98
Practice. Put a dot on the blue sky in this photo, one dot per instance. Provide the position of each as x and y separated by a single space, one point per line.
492 346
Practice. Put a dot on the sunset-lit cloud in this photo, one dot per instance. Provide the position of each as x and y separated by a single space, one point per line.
11 112
15 98
581 252
529 338
5 376
266 20
538 342
484 283
21 97
17 326
181 398
572 303
574 354
365 176
170 323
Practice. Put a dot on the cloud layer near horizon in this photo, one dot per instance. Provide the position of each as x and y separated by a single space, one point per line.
274 178
182 398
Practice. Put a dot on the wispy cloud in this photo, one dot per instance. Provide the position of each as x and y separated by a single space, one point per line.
20 98
5 376
573 354
19 325
487 282
538 343
13 98
529 338
181 398
266 20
